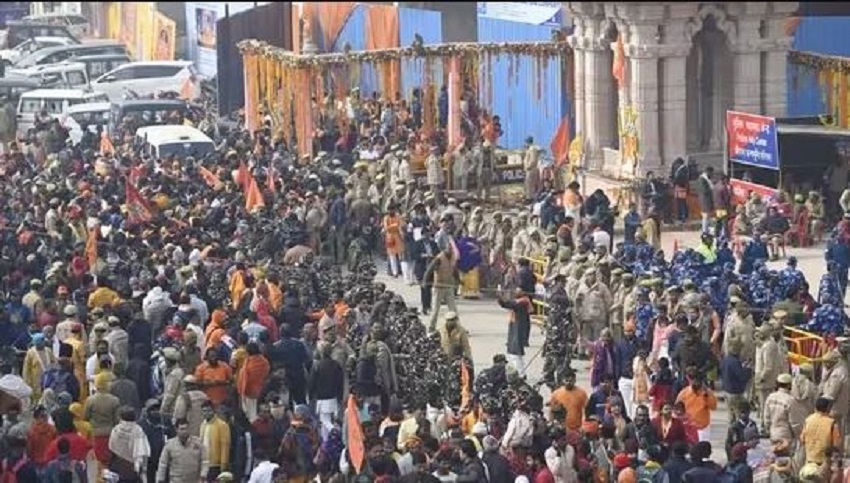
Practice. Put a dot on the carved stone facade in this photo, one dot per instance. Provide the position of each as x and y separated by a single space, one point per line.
686 65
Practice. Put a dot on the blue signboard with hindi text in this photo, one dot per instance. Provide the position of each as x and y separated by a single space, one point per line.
752 140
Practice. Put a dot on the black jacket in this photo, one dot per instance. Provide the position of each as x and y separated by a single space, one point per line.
326 380
498 467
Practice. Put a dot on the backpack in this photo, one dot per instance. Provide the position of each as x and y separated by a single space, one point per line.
10 475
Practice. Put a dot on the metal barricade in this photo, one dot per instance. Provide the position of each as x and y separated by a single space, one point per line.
804 347
539 310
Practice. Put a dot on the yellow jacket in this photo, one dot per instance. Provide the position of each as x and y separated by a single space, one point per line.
103 297
215 434
820 433
34 367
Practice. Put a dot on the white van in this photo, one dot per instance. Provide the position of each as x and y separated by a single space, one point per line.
175 140
54 101
64 75
92 114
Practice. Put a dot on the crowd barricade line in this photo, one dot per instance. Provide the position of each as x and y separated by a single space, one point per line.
804 347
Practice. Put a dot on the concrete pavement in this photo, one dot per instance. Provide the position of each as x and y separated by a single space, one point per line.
488 323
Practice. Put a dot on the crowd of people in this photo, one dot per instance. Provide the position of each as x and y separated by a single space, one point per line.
218 319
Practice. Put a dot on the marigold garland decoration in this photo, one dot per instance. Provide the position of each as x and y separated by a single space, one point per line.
550 49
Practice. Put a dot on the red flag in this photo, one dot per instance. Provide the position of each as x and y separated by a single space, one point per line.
356 445
270 179
138 209
560 145
91 247
618 69
242 176
253 196
465 395
135 174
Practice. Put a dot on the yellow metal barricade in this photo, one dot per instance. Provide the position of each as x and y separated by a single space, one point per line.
539 309
804 347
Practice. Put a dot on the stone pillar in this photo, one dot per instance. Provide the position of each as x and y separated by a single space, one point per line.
598 81
593 81
775 73
578 102
455 89
643 56
674 122
747 66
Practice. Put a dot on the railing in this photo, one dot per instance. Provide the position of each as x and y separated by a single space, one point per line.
804 347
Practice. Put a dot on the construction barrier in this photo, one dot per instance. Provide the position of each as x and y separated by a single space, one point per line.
804 347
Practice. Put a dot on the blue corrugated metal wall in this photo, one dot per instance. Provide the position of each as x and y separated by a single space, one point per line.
822 35
515 97
354 32
429 25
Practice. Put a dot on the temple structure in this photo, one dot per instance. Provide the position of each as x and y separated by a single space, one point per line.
682 66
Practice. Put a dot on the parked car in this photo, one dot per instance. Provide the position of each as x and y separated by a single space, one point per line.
10 56
127 116
54 55
147 78
76 24
53 102
64 75
19 31
97 65
174 140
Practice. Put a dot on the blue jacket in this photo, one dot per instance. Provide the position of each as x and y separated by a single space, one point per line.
734 375
625 351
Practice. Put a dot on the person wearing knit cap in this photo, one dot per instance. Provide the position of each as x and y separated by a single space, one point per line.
101 410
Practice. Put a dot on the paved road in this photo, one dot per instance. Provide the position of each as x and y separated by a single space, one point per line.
487 324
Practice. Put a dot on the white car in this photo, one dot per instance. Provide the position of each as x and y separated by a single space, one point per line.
10 56
76 24
147 78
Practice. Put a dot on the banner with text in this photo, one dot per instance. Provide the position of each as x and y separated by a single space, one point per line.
752 139
741 191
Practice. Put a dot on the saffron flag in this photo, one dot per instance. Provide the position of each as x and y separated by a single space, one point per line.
465 384
91 247
242 176
209 177
187 89
560 145
270 179
253 196
138 209
106 146
619 67
237 286
356 446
